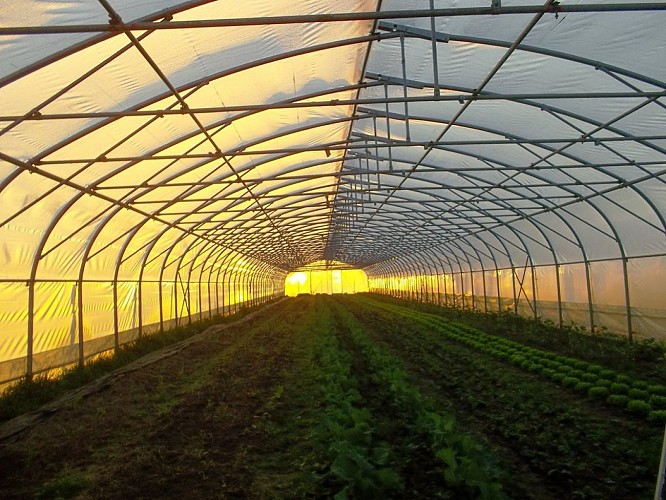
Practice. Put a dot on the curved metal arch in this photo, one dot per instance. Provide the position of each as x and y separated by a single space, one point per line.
487 214
432 265
537 225
221 124
465 254
556 112
514 230
81 193
456 239
198 83
440 37
520 37
509 166
460 266
532 173
213 268
204 253
222 269
119 208
548 210
507 253
415 271
155 16
611 200
97 231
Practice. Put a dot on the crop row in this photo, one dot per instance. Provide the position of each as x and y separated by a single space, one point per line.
345 432
469 469
594 380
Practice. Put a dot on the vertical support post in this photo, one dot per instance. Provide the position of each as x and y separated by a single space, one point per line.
590 307
534 292
513 284
217 293
210 302
175 299
188 301
485 291
31 328
471 280
404 86
559 295
388 128
460 289
79 304
160 298
140 306
116 340
433 39
226 296
498 273
201 311
446 292
630 333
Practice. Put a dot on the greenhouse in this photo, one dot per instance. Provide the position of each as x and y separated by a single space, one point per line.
183 166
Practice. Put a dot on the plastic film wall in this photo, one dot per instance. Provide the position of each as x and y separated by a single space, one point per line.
74 321
166 161
600 299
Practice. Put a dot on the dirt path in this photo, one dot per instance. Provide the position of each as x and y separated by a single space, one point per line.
181 428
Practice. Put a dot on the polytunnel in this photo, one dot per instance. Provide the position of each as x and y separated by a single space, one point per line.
163 162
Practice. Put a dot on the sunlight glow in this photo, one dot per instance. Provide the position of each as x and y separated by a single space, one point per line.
326 281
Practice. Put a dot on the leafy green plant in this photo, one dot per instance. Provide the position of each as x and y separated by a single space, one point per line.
657 389
658 402
468 467
638 394
598 391
568 371
358 466
618 400
581 365
583 386
570 381
638 406
657 415
618 388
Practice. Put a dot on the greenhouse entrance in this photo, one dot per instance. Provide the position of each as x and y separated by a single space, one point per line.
328 277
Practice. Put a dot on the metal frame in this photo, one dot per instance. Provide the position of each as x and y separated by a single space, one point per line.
362 197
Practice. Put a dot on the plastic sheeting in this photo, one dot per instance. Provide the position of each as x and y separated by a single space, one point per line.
151 177
561 294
